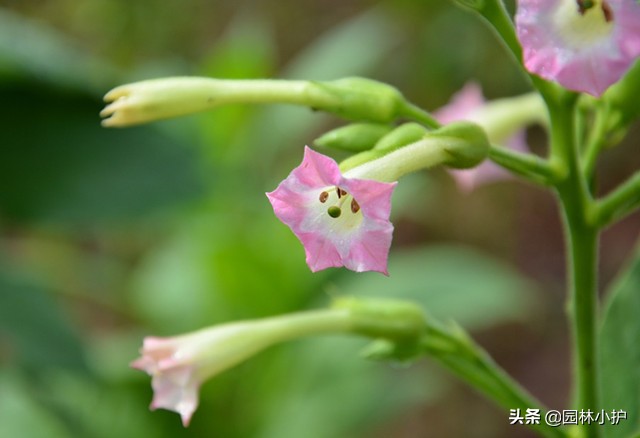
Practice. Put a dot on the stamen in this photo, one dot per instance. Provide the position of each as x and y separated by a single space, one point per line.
355 207
334 211
323 197
585 5
340 192
607 12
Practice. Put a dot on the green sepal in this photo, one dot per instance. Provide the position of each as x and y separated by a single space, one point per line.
401 136
357 99
385 350
356 137
468 144
623 96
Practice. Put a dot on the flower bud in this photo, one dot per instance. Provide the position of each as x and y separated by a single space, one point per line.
401 136
351 98
467 146
356 137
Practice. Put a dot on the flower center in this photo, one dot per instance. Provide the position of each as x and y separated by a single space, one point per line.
342 196
583 23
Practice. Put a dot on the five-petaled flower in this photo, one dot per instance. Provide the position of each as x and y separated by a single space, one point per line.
340 221
583 45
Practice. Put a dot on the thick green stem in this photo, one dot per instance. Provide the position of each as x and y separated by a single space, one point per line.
582 250
459 354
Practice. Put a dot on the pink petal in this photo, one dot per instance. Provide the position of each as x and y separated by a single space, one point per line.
587 65
176 390
359 241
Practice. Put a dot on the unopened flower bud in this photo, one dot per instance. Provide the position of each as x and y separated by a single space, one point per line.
468 144
356 137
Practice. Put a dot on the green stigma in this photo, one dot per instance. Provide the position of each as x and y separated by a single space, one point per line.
334 211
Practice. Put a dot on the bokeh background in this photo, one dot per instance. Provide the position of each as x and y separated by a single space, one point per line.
108 235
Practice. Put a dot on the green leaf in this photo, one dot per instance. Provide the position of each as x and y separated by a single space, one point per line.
35 330
30 49
328 391
620 351
58 164
20 413
451 283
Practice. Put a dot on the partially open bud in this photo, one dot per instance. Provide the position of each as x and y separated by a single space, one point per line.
351 98
180 364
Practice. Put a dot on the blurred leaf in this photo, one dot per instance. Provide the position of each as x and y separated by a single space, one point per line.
451 283
349 49
101 410
245 51
31 50
338 394
620 352
34 328
353 48
225 263
58 164
20 413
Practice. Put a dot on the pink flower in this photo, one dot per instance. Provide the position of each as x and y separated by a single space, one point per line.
582 49
340 221
467 104
180 364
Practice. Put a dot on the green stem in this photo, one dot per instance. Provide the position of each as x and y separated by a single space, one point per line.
530 166
582 251
459 354
622 201
416 113
595 142
498 17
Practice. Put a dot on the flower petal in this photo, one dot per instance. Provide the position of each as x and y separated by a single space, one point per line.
586 51
358 238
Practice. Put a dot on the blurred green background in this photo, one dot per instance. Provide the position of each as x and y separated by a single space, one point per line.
108 235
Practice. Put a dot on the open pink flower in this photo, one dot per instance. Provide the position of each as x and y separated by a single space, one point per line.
582 49
467 104
340 221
